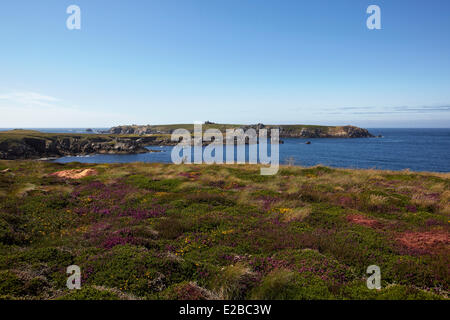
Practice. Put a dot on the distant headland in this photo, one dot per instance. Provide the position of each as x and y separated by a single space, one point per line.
286 131
132 139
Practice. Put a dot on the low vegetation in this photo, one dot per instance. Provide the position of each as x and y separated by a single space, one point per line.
160 231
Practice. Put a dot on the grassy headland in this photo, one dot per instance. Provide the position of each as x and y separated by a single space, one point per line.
160 231
285 131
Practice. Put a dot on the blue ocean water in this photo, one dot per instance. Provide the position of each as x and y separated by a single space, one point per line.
398 149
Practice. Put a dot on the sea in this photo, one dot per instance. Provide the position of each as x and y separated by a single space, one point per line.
396 149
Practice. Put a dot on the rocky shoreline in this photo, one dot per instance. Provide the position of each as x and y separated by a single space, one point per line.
20 144
27 144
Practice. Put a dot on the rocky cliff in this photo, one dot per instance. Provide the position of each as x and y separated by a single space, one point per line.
325 132
20 144
286 131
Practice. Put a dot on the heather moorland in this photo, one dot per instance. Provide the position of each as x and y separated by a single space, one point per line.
163 231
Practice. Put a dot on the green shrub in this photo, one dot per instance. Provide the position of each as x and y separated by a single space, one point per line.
10 284
233 282
89 293
6 232
283 284
172 228
52 257
249 175
35 286
423 271
123 268
358 291
155 185
185 291
317 171
211 199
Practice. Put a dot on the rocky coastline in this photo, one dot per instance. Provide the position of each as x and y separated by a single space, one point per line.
27 144
19 144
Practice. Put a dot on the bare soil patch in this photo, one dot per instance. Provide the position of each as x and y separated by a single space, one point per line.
75 173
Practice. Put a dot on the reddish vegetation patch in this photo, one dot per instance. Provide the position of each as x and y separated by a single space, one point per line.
424 242
191 291
227 186
364 221
346 202
268 202
75 173
233 185
190 175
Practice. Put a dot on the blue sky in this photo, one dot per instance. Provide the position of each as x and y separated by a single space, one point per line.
232 61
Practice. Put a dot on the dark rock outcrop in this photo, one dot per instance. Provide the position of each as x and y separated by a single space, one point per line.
57 146
139 130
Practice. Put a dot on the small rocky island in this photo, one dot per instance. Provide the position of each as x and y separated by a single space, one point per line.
132 139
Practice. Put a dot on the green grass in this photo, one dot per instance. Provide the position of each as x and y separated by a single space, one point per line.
158 231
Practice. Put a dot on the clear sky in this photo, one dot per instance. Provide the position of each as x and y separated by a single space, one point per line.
228 61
